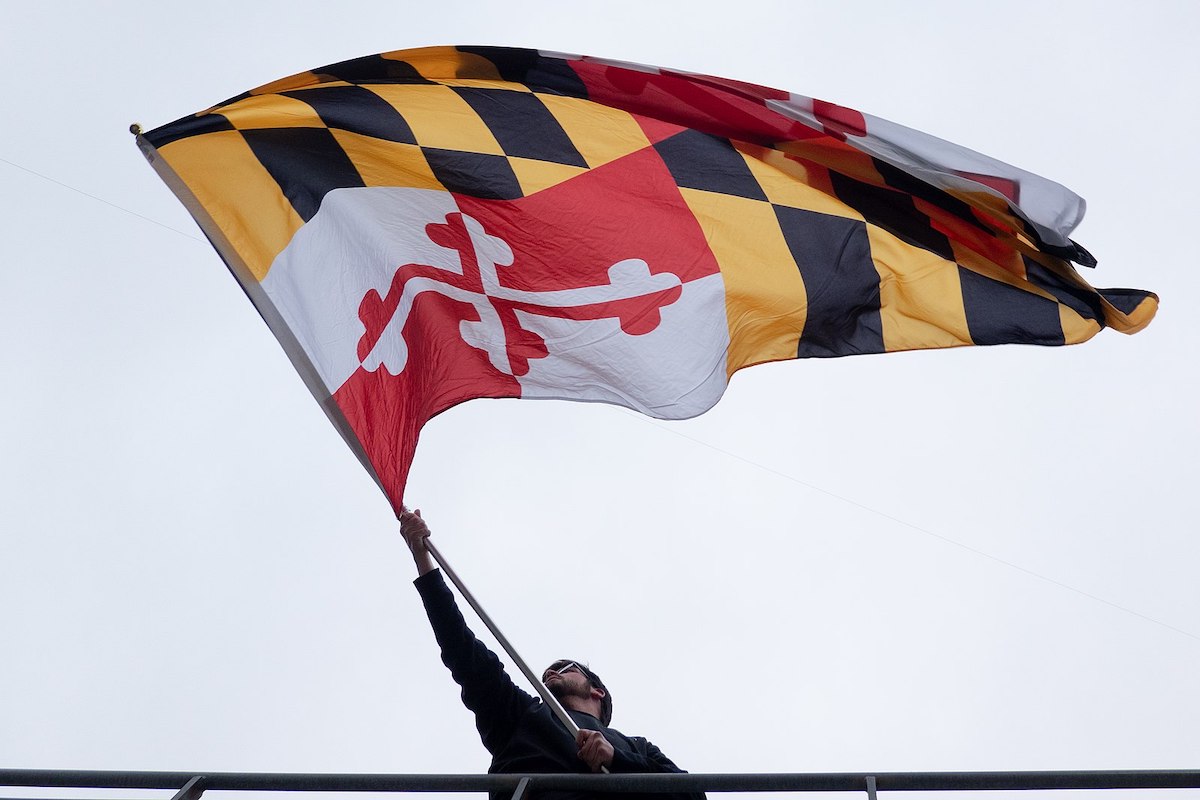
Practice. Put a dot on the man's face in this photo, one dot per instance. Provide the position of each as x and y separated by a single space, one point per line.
566 679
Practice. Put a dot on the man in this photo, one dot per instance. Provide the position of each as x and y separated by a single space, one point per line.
520 731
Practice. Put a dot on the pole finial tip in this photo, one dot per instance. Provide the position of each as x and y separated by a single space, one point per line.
135 129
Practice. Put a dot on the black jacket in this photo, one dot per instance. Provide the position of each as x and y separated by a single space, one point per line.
519 730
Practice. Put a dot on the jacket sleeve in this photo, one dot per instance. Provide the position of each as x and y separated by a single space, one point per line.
645 757
487 690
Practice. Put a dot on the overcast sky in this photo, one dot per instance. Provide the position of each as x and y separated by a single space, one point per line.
981 559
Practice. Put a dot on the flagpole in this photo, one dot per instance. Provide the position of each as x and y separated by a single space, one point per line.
547 698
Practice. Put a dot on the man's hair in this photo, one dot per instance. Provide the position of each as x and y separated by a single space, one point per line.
594 680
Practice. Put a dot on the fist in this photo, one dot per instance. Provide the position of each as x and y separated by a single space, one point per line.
414 530
594 749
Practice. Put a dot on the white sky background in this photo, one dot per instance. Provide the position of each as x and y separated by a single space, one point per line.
889 563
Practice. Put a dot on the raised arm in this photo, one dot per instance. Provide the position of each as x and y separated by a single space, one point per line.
487 690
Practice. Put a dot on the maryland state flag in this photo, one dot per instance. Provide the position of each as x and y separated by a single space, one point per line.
429 226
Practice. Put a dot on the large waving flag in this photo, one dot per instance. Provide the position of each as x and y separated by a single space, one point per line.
425 227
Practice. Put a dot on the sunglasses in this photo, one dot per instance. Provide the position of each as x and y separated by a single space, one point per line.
562 667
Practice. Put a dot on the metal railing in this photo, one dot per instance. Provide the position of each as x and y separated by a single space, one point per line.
191 785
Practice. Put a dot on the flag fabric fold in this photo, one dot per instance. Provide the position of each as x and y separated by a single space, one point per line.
425 227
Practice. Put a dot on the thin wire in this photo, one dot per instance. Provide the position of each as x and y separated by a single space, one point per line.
910 525
102 200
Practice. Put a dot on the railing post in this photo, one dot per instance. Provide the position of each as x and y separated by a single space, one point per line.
522 786
191 790
871 787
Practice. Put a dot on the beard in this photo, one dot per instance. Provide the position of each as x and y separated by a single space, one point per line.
562 689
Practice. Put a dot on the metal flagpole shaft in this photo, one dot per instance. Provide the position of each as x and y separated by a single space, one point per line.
548 698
